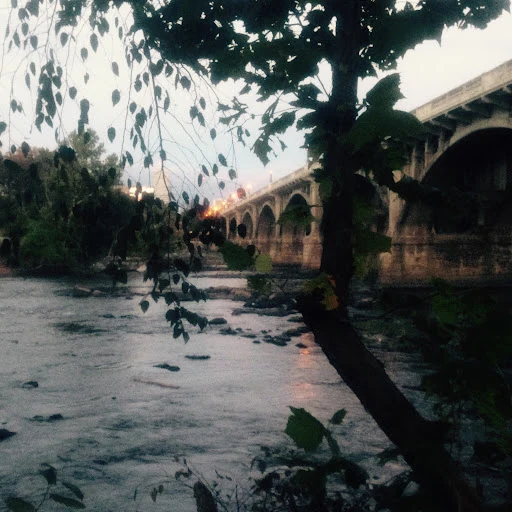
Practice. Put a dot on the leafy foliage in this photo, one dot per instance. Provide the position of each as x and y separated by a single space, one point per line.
72 498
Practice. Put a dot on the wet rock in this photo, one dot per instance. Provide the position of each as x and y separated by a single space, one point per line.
5 434
250 336
48 419
218 321
227 331
241 311
273 312
80 291
166 366
107 315
30 384
296 332
365 303
297 319
276 341
261 303
197 358
257 342
301 345
240 295
100 462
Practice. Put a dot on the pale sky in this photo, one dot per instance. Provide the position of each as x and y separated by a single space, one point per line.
427 72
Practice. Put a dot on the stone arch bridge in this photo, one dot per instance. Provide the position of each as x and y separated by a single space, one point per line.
466 151
261 212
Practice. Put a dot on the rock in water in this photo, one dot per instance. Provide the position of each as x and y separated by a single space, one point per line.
218 321
5 434
197 357
30 384
166 366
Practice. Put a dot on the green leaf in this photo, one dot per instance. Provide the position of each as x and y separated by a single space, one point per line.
186 197
222 160
84 53
19 505
116 96
263 263
144 305
202 102
185 82
64 38
74 489
68 502
213 133
377 123
205 170
386 92
215 169
305 430
115 68
199 180
33 41
72 92
235 256
3 127
50 474
111 133
338 417
298 215
232 174
94 41
370 242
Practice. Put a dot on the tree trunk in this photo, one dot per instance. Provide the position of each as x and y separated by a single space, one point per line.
419 440
416 437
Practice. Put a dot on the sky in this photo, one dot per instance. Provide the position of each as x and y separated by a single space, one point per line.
426 72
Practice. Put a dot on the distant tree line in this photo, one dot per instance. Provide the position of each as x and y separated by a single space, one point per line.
61 209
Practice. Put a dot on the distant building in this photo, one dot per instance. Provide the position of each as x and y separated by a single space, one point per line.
161 185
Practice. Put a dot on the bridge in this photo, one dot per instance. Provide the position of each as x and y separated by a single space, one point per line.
260 213
466 150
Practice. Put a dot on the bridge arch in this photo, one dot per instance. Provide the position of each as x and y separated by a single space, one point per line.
294 232
477 166
266 224
297 200
249 224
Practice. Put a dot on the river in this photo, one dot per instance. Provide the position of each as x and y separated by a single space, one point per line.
124 421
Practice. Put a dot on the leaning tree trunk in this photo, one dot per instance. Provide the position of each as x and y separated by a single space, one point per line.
415 437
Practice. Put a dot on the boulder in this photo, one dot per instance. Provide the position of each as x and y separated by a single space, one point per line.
227 331
80 291
275 341
5 434
48 419
30 384
218 321
166 366
296 332
273 312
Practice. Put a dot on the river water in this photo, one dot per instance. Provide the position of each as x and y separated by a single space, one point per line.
124 421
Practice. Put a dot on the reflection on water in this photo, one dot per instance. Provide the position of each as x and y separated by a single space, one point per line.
123 420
